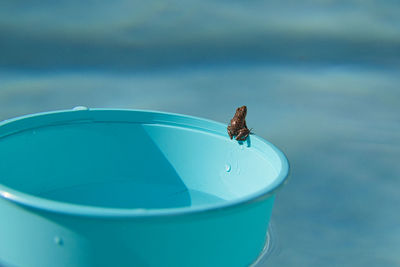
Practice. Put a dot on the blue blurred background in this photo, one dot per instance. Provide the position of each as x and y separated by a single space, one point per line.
321 79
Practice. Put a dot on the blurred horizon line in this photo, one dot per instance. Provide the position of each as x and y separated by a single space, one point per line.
47 52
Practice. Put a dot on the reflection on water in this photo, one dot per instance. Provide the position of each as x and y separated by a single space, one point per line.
270 249
320 79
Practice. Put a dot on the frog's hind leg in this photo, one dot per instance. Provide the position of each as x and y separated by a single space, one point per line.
243 134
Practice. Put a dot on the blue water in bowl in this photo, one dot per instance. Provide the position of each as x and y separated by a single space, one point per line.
130 195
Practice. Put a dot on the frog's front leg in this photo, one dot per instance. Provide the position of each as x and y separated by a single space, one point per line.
230 132
242 135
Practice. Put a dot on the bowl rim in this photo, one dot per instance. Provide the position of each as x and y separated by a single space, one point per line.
23 123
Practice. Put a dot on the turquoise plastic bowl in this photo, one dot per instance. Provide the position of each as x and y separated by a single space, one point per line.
105 187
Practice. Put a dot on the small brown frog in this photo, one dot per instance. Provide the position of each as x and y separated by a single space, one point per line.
238 126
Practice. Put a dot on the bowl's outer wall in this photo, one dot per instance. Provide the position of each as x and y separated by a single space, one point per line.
227 237
35 233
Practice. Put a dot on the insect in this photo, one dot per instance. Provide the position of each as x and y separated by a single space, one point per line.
237 127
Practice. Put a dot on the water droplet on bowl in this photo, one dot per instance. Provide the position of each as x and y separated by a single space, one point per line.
80 108
228 167
58 240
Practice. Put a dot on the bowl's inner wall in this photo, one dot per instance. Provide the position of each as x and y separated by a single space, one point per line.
131 165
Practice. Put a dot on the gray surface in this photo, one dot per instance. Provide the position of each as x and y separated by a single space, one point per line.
320 79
